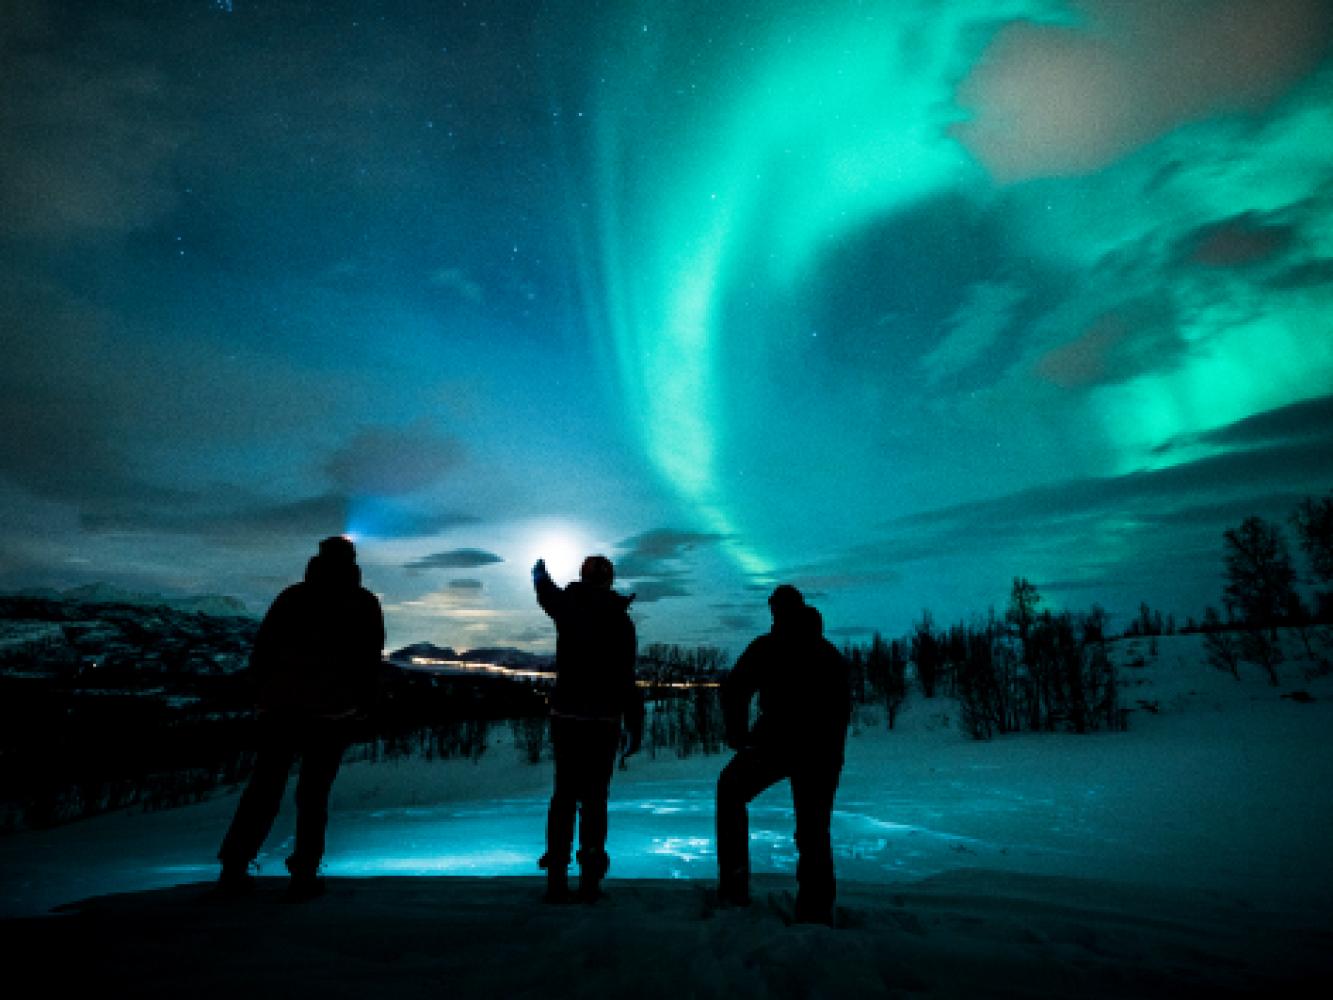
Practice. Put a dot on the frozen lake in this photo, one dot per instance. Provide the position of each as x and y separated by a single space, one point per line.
1225 791
667 835
658 829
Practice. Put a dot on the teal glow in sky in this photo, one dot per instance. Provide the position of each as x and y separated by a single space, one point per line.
893 300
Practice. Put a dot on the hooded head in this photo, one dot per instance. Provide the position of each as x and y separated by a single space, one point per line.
786 603
597 571
335 564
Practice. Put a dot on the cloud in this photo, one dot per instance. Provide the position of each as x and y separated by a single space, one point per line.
456 559
1072 518
1293 467
653 562
459 605
465 584
1316 273
1244 239
237 516
1308 421
259 521
658 552
381 517
63 415
1133 338
1059 100
91 147
60 449
318 516
739 623
390 461
973 329
649 591
528 636
99 416
1150 535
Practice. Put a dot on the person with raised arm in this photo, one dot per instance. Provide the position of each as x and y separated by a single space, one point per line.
595 692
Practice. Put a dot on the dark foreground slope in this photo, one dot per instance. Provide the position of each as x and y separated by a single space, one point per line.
963 934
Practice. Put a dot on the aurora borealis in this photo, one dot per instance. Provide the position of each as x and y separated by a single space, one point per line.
892 300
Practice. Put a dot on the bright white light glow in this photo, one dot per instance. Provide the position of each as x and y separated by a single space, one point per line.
564 547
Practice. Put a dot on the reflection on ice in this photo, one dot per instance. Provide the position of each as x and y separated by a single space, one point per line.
478 863
658 837
665 831
685 848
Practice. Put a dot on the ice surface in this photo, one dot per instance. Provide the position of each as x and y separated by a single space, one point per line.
1226 790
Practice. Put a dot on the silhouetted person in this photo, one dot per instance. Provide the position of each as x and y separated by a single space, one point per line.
595 690
314 663
804 709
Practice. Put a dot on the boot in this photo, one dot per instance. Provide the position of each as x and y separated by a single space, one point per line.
590 888
733 889
305 883
235 880
813 910
557 885
592 869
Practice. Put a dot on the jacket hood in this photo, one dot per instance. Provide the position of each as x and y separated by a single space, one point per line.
803 621
322 571
590 596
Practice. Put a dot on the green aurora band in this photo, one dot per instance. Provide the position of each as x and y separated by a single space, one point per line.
735 150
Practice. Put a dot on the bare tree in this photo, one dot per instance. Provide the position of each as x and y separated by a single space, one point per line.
1314 525
926 654
1260 578
1023 601
1262 648
1220 646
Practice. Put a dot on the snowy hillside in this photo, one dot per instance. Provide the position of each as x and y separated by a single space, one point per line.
1189 850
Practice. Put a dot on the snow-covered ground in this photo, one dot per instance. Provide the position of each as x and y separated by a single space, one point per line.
1208 821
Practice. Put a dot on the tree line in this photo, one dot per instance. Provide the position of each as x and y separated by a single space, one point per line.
1030 669
1260 592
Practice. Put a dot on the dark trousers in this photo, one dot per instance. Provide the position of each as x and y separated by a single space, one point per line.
320 745
585 756
813 785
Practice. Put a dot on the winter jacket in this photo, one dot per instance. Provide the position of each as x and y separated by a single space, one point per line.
804 690
595 652
319 647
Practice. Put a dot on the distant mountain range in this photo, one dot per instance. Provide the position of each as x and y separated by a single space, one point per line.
48 629
106 631
502 656
105 593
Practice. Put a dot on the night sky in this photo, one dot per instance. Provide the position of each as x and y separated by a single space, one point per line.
894 301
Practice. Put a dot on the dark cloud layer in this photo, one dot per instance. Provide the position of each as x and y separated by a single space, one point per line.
1245 239
100 133
1310 420
456 559
389 461
649 591
658 553
1140 494
1139 528
1136 336
1316 273
234 516
739 623
1051 101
